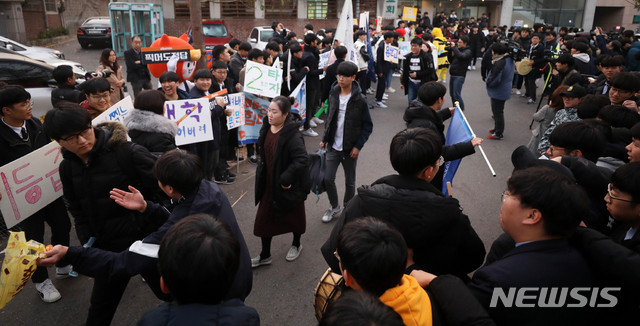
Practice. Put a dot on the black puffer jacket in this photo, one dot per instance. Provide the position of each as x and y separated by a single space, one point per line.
433 225
232 312
357 119
291 166
86 188
151 130
460 60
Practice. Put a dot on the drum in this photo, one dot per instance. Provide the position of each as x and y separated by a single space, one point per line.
327 292
522 67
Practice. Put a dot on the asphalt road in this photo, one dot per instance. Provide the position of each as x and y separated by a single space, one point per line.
283 293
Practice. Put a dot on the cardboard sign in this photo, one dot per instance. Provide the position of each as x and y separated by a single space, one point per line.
405 48
409 13
162 55
324 59
300 94
262 80
117 112
379 24
255 109
389 9
236 104
193 118
30 183
391 53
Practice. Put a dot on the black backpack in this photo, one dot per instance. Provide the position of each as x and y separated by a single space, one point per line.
317 167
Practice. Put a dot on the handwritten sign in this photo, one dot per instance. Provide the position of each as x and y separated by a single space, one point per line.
30 183
405 47
236 104
391 53
409 13
262 80
389 9
379 24
117 112
193 119
255 109
324 59
300 104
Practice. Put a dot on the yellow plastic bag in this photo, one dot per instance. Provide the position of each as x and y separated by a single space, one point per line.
18 265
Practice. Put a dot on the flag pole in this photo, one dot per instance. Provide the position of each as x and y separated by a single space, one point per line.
474 136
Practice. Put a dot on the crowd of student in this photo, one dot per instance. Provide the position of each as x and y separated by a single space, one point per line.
571 210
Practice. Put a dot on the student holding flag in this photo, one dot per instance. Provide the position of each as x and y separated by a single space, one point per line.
426 111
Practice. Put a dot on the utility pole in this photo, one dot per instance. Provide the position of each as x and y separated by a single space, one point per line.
195 11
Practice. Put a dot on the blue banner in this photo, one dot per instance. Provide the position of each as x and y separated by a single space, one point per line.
458 132
371 71
255 109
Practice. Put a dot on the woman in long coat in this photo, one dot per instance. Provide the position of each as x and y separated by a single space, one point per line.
109 61
282 180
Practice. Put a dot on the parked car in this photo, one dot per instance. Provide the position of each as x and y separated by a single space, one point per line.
33 52
260 36
78 69
215 32
35 76
95 31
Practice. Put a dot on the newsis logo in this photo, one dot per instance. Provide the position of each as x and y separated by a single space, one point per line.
554 297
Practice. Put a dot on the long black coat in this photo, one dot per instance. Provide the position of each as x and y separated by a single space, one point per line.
12 147
291 164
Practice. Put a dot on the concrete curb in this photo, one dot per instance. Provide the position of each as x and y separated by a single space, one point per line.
54 41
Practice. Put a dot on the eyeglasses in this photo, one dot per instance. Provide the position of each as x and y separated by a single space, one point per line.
619 91
104 96
73 139
609 187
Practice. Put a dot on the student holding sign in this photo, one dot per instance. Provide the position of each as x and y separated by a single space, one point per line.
21 134
227 139
383 68
96 160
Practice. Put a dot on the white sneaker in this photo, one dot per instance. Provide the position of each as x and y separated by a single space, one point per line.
312 124
301 128
330 213
385 96
48 292
468 67
293 253
381 105
370 91
256 261
518 92
309 132
64 272
317 120
391 90
473 67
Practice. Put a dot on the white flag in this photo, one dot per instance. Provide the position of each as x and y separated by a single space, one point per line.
344 32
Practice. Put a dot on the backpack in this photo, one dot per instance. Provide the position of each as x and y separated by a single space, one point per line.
317 167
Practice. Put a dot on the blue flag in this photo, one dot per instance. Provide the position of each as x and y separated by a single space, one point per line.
371 71
458 132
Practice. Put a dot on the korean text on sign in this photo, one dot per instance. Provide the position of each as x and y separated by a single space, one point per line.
391 53
236 105
193 118
30 183
389 9
255 109
262 80
117 112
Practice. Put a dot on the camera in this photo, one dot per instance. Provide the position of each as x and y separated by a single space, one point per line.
102 74
515 49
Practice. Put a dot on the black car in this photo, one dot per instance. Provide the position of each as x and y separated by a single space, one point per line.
95 31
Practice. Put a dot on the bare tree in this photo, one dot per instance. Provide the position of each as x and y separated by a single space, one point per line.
196 31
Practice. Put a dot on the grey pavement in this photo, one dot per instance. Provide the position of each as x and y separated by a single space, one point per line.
283 292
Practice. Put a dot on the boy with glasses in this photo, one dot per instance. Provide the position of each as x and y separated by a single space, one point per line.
98 94
21 134
96 160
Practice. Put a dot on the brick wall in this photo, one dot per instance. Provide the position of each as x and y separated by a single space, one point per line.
34 22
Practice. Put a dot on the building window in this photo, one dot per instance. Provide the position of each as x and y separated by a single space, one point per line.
281 9
50 6
181 8
558 13
238 8
322 9
32 5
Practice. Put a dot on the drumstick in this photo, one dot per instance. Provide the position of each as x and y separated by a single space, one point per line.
449 189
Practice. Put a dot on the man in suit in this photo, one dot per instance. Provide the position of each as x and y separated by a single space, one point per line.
540 209
137 72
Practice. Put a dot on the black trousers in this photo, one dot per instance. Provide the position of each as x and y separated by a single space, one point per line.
530 85
54 214
312 102
105 297
364 81
381 85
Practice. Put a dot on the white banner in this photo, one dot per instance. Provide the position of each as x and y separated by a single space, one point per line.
30 183
262 80
344 31
116 112
193 118
236 104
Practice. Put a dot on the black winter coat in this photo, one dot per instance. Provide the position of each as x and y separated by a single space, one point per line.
310 58
86 188
433 225
357 120
12 147
136 71
460 61
426 73
153 131
228 313
291 167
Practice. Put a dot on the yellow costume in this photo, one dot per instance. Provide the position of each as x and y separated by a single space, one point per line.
443 61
